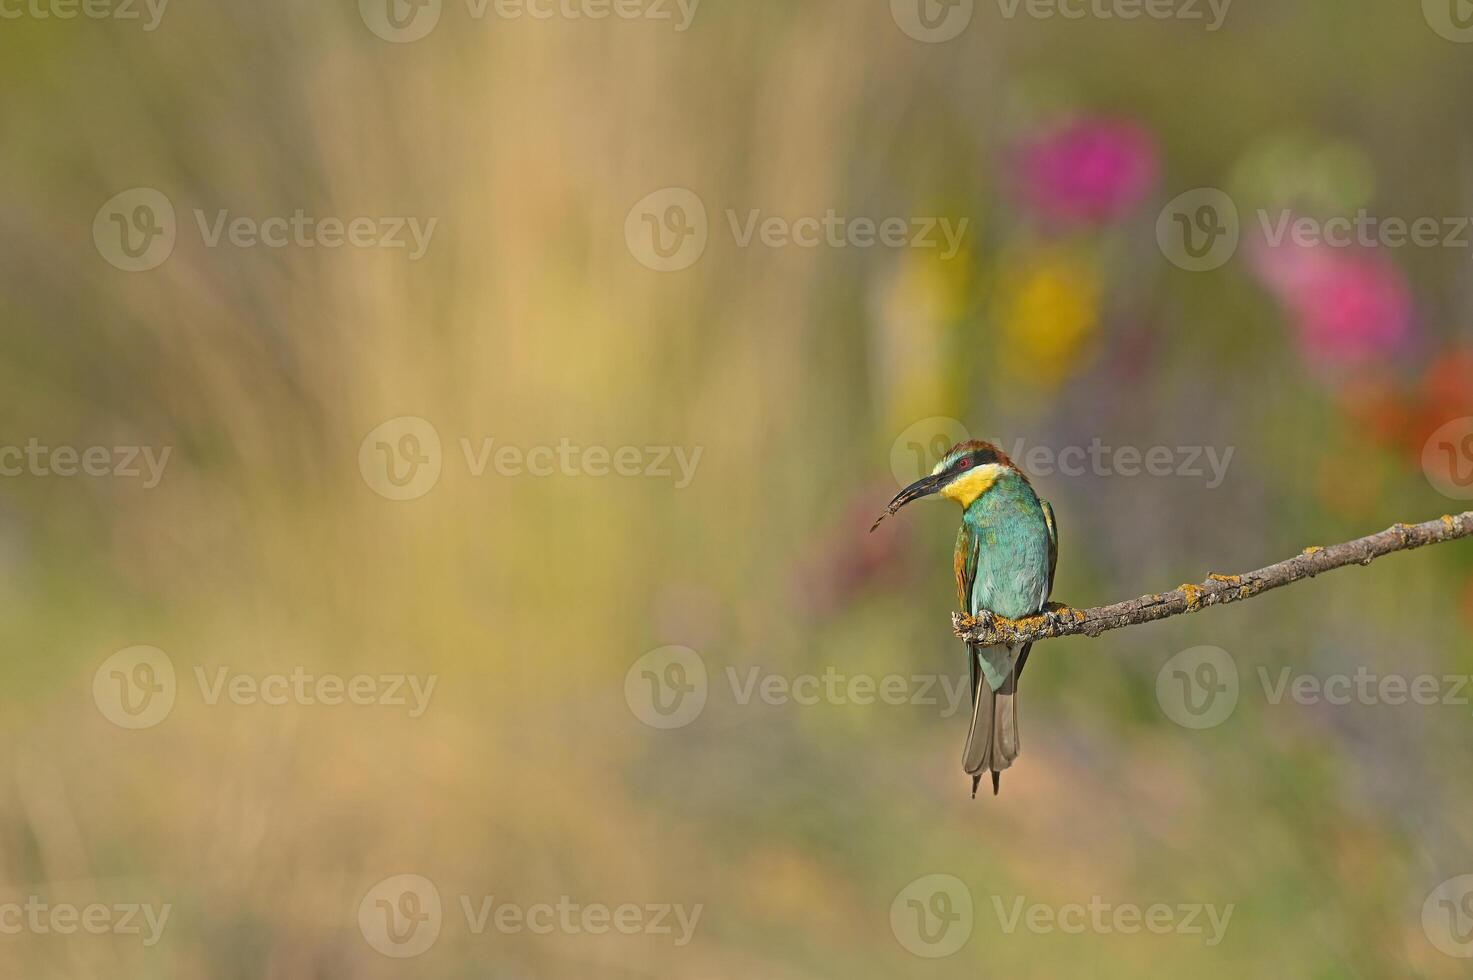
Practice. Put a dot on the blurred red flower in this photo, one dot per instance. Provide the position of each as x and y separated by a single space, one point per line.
1087 170
1447 391
1402 416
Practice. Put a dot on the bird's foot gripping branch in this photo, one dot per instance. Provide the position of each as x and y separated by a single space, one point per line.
1058 620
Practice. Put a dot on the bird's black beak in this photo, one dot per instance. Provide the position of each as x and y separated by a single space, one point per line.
923 487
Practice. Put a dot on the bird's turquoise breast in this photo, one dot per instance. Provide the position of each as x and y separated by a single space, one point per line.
1013 550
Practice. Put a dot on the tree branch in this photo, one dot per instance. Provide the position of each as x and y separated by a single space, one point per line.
1059 620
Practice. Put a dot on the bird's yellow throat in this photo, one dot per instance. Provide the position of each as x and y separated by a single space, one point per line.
972 485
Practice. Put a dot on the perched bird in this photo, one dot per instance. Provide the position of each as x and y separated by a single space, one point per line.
1005 557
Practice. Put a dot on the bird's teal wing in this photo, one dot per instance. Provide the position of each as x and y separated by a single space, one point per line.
965 562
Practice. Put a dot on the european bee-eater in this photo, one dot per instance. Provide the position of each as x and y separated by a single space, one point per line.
1005 557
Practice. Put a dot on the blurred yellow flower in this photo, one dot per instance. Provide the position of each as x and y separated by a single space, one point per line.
1049 313
917 308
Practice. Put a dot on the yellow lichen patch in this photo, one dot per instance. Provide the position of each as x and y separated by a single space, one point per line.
1227 579
1078 615
1452 524
1313 550
1194 596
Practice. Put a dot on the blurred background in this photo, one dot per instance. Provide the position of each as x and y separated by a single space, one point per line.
589 465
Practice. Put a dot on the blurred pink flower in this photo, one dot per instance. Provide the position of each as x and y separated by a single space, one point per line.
1349 306
1087 170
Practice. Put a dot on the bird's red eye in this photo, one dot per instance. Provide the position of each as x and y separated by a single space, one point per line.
965 464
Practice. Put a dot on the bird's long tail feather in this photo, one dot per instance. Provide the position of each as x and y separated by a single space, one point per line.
992 742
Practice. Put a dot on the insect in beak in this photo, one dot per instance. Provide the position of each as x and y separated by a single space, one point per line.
923 487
